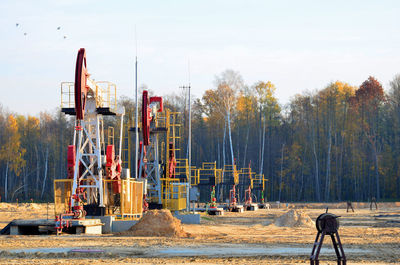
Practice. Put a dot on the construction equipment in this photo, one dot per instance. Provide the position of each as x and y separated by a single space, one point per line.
327 224
97 185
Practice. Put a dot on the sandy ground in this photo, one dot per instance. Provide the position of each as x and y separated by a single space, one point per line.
368 237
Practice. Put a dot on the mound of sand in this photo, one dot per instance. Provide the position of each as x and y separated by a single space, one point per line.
294 218
7 207
157 223
34 206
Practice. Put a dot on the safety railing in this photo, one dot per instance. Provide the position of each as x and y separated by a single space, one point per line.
126 147
246 177
194 176
208 174
110 135
218 176
122 198
182 169
230 174
67 95
162 119
209 165
105 94
62 195
174 194
258 181
128 204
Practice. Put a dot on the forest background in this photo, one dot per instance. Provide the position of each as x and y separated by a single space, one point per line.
338 143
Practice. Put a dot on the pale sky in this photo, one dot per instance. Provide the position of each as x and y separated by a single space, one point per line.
297 45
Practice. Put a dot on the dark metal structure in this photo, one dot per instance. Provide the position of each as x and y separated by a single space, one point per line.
327 224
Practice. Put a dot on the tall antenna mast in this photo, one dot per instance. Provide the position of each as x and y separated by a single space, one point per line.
137 112
190 132
189 135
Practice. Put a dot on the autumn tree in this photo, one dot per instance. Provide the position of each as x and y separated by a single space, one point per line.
332 144
368 101
246 110
269 112
223 99
11 152
30 134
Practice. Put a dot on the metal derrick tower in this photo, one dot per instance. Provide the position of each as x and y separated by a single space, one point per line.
90 161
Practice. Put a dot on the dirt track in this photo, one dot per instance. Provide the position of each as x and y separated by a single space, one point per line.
369 237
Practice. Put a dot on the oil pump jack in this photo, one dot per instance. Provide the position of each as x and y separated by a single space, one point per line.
90 161
149 163
157 163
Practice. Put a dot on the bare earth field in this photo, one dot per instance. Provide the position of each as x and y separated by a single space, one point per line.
368 237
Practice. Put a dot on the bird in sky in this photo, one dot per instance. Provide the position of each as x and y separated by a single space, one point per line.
25 33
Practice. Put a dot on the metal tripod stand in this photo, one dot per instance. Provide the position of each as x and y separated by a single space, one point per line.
327 224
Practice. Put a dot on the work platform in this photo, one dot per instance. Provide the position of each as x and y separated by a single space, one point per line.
251 207
48 226
215 211
264 206
237 209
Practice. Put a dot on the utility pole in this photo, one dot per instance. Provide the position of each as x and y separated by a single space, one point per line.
137 124
137 115
189 140
189 133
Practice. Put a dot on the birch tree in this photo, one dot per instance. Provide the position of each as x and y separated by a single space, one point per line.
268 107
228 84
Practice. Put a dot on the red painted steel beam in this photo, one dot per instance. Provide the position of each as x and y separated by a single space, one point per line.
80 84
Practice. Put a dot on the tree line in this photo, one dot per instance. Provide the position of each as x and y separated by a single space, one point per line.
337 143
